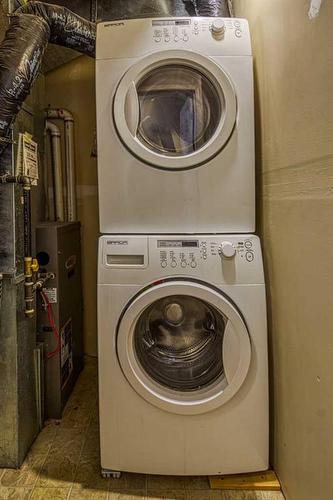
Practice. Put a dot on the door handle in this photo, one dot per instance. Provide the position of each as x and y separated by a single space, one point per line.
132 109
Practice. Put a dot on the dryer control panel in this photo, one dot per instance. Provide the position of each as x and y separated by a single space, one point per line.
220 259
138 37
182 30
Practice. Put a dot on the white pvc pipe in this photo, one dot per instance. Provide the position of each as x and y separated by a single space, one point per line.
55 134
67 116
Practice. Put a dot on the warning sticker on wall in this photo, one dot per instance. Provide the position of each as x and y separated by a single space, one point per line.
51 294
66 335
27 158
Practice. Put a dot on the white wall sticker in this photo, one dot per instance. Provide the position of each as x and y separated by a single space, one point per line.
314 8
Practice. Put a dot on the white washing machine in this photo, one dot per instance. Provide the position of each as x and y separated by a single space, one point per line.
175 126
182 355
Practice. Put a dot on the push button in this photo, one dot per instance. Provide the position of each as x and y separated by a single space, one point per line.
249 256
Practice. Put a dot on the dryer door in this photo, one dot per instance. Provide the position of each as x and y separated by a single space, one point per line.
175 109
183 346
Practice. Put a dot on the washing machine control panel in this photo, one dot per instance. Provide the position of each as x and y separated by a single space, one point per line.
179 253
218 259
187 254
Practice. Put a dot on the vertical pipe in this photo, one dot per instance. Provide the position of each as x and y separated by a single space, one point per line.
1 287
58 182
70 170
46 176
27 220
57 169
67 116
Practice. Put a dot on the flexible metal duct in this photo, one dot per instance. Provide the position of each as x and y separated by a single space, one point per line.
129 9
212 8
21 53
31 28
66 28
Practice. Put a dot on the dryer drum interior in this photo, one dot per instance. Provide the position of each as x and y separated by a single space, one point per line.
179 108
178 341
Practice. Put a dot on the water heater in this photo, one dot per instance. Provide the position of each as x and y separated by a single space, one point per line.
59 311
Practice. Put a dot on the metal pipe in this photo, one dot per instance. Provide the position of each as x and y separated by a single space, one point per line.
14 179
64 114
42 280
30 272
27 221
46 161
1 287
54 131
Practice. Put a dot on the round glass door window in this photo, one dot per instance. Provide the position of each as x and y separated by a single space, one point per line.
179 110
178 341
175 109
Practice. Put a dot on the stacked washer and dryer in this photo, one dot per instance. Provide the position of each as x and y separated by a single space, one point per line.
182 331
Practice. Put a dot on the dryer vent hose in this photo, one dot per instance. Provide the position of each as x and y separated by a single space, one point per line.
212 8
31 27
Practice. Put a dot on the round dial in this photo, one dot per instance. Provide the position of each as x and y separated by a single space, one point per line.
218 28
227 250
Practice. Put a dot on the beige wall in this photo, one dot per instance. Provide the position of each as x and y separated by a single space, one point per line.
72 86
294 79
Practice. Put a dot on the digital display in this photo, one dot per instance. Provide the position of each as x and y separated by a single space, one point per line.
178 244
176 22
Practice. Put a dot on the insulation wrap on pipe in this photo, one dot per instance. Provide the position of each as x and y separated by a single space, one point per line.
21 54
131 9
211 8
66 28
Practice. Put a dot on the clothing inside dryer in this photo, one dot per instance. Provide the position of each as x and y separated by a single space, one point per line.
178 342
179 110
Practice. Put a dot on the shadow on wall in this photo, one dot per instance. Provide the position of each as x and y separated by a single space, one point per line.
72 86
259 226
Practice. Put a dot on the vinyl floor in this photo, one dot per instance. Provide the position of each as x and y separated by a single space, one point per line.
63 463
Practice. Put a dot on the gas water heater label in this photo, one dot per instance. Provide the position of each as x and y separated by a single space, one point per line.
66 352
51 294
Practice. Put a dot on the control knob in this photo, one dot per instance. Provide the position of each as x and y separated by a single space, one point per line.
218 28
227 250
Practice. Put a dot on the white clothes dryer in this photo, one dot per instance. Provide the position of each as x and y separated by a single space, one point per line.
175 126
183 382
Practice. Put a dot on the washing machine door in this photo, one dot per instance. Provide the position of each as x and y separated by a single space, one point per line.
175 109
183 346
